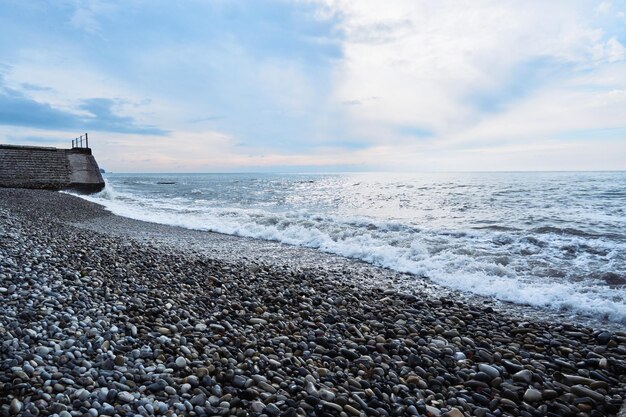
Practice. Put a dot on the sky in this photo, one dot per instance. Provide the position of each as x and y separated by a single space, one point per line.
319 85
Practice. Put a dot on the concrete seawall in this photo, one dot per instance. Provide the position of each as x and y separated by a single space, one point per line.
49 168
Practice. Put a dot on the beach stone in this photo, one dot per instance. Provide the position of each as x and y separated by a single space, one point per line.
604 337
107 410
43 350
453 412
524 375
266 387
412 411
583 391
164 331
217 327
483 377
81 331
82 394
16 406
433 411
239 381
532 395
311 390
271 409
489 370
351 410
125 397
257 406
157 386
199 399
336 408
511 366
326 395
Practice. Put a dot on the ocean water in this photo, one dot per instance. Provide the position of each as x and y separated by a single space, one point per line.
551 240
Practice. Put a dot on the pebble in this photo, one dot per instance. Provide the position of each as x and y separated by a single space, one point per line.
489 370
583 391
199 399
272 410
239 381
125 397
604 337
241 339
16 406
82 394
532 395
454 412
523 376
326 395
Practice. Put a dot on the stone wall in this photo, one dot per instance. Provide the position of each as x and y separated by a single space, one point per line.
49 168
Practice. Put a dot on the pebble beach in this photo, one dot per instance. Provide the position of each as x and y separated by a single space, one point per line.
94 322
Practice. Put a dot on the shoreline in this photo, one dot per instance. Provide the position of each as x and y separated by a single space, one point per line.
233 248
232 336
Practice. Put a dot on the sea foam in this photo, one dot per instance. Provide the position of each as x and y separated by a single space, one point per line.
546 266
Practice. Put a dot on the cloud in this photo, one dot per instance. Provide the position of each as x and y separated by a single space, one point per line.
34 87
101 117
477 72
17 109
211 151
400 84
37 140
615 51
86 15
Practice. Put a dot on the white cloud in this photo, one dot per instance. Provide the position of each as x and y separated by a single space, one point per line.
209 151
87 13
490 80
477 71
615 51
604 7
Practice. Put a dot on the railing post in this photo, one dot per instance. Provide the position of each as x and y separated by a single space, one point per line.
78 142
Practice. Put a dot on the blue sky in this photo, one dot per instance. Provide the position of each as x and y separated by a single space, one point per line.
322 85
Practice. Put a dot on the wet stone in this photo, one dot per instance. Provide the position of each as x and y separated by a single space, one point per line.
272 410
489 370
125 397
523 376
16 406
532 395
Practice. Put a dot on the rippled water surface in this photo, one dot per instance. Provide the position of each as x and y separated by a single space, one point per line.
554 240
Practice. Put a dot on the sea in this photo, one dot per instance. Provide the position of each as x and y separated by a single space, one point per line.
552 240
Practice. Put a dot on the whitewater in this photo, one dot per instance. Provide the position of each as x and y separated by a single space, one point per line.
550 240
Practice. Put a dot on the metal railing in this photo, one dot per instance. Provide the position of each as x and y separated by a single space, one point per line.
78 142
